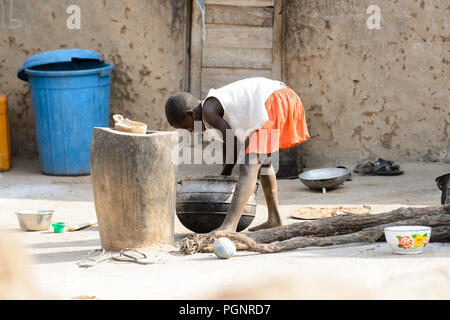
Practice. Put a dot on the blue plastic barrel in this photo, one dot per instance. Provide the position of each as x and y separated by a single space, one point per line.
70 91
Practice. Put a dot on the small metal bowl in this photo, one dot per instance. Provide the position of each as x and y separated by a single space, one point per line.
34 220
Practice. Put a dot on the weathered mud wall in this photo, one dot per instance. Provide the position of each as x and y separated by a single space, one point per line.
367 93
371 93
144 39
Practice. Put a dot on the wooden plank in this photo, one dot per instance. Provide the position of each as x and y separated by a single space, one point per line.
196 51
230 36
187 46
219 77
277 42
246 3
237 58
254 16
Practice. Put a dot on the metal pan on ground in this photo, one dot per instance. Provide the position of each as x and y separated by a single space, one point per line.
325 178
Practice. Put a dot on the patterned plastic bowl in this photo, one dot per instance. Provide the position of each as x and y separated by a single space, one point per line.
407 239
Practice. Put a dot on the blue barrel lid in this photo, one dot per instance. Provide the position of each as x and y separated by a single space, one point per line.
56 56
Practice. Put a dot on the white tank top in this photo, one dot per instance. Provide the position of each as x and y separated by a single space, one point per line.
244 102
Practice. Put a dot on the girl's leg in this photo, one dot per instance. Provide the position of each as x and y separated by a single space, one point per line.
248 174
268 181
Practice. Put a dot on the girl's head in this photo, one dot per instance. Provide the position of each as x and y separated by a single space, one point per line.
180 111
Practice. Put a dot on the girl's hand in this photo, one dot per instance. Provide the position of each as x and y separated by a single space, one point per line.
227 170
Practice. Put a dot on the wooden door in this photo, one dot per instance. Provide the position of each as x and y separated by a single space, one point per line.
243 39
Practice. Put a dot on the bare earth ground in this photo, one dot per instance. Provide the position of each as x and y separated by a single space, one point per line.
358 271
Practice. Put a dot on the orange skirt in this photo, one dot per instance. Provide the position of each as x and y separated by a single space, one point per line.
286 126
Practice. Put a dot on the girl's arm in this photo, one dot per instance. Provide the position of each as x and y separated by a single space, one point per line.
213 114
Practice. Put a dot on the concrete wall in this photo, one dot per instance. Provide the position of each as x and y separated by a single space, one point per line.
371 93
367 93
144 39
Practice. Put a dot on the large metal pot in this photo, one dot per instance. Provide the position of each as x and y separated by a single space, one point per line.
203 202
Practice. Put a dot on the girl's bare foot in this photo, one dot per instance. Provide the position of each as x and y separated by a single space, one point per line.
222 228
266 225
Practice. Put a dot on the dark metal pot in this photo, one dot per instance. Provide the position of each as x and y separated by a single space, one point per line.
443 183
203 203
290 163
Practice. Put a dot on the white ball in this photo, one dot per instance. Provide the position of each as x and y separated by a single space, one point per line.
224 248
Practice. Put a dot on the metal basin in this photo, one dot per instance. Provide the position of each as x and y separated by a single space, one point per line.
203 203
34 220
326 178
